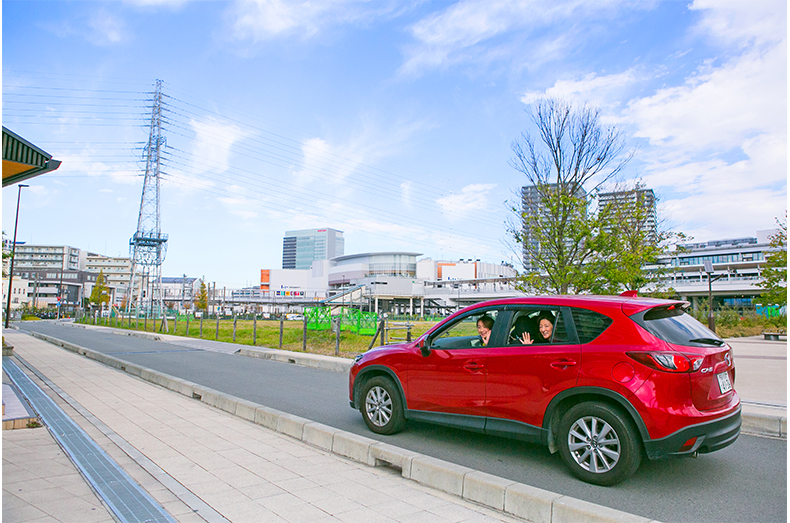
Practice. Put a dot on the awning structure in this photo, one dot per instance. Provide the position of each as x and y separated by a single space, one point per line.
23 160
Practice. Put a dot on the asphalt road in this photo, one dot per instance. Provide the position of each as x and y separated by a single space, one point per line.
745 482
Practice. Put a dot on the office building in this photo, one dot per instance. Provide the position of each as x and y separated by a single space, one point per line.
301 248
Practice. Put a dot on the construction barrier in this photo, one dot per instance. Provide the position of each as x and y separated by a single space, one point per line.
318 318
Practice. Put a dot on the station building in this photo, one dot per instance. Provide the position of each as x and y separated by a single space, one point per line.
738 262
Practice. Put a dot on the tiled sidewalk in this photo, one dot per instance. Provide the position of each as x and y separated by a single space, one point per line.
202 456
41 484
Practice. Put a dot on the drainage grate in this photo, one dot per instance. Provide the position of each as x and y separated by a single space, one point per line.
129 502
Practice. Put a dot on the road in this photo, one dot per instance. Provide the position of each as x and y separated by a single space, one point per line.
742 483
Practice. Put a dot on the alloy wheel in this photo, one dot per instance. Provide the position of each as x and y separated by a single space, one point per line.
378 406
594 444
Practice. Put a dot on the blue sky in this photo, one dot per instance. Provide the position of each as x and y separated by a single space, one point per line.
391 121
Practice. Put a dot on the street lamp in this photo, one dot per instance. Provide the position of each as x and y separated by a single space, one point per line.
13 252
708 267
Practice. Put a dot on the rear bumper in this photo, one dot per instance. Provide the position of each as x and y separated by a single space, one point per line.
711 436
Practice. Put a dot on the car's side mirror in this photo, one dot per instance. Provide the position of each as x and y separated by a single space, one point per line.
424 349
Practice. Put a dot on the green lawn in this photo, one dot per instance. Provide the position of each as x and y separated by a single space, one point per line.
268 334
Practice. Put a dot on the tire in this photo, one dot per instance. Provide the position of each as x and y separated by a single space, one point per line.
599 444
381 406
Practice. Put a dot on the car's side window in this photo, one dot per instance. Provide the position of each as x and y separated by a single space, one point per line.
589 324
465 333
535 326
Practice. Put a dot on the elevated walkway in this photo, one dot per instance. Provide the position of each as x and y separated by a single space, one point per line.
351 296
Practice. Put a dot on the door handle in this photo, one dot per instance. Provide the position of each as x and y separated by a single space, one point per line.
473 366
562 364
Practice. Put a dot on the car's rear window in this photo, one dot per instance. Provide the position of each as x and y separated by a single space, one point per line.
589 324
674 325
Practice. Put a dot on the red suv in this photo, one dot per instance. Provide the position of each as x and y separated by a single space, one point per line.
603 379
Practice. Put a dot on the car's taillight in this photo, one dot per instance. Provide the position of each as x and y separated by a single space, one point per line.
668 361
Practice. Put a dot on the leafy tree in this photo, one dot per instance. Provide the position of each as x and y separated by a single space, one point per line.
558 235
201 300
100 293
775 269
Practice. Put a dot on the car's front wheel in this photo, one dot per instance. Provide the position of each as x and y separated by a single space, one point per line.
381 406
599 444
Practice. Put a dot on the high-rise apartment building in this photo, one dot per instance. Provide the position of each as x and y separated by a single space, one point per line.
301 248
532 205
646 202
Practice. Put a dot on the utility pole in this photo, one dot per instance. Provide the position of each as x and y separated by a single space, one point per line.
183 290
60 285
13 253
35 292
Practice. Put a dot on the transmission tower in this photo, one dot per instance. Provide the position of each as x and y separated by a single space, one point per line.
148 246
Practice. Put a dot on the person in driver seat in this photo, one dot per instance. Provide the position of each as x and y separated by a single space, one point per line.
484 326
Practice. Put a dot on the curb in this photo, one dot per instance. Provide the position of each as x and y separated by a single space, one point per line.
764 425
317 361
516 499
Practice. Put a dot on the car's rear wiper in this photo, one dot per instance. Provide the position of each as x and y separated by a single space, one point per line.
708 341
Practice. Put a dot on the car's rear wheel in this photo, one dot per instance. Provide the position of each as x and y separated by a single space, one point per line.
381 407
599 443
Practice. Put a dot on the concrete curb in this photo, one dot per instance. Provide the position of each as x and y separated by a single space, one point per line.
317 361
516 499
764 425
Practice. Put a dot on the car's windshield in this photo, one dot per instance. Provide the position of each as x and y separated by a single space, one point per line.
674 325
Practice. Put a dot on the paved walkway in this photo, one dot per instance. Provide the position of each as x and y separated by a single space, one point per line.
199 463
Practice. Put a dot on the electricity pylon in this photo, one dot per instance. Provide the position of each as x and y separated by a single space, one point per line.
148 246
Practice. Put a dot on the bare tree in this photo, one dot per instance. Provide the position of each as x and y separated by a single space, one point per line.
557 234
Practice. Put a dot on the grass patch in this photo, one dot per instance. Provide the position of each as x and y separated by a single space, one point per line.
268 334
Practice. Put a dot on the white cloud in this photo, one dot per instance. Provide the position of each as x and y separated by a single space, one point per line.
599 90
726 214
717 107
105 28
83 164
334 164
473 197
469 30
734 22
315 155
212 144
260 20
